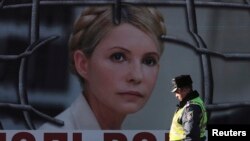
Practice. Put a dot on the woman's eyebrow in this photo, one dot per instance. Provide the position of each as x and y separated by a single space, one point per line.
153 53
119 47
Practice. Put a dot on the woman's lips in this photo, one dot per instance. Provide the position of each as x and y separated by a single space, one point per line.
132 93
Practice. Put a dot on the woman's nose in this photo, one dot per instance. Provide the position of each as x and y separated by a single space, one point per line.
135 73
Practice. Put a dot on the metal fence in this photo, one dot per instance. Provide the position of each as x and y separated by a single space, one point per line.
199 47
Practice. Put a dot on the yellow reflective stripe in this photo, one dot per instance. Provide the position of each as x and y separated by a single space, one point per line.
177 131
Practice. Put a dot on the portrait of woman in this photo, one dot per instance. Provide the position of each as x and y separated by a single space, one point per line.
117 66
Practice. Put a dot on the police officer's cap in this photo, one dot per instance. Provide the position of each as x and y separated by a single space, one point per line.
181 81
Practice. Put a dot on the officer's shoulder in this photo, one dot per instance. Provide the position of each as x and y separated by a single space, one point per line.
191 106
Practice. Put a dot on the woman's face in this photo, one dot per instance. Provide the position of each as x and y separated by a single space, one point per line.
122 71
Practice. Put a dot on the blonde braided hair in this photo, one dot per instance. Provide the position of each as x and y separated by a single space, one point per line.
95 22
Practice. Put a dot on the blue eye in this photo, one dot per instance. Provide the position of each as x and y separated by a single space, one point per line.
118 57
150 61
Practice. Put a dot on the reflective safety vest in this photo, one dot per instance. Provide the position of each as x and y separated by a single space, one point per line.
177 131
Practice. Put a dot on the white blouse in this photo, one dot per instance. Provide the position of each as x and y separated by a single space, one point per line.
78 116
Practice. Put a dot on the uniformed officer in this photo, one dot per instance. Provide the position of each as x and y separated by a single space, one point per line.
190 119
